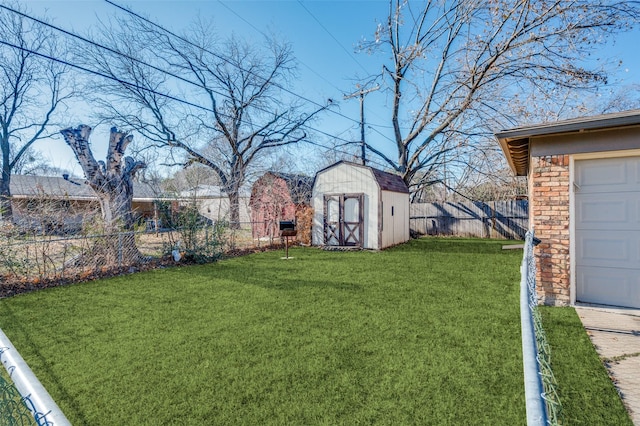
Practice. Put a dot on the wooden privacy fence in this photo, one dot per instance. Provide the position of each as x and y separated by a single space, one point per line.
491 219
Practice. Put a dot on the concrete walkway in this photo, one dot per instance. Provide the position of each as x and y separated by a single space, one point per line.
615 333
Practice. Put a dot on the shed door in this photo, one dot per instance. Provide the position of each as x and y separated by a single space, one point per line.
344 220
607 206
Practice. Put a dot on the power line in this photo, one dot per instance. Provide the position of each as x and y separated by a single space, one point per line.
107 76
337 41
332 36
129 57
265 35
149 90
128 83
311 69
380 133
137 86
117 52
131 12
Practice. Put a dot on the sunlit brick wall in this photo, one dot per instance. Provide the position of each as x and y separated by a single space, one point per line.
550 217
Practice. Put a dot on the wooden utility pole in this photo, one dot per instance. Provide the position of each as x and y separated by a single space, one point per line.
361 94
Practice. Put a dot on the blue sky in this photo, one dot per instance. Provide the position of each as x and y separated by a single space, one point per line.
323 35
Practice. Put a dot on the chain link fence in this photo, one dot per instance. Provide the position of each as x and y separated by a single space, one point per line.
35 260
23 391
38 259
543 403
13 409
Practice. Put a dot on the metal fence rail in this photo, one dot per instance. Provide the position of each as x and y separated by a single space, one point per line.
34 396
542 401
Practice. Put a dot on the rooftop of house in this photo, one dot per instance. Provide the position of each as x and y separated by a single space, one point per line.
515 143
209 191
28 186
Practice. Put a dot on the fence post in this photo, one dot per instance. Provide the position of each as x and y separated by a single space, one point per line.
119 249
533 388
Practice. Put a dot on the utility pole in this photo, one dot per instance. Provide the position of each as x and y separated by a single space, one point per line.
361 94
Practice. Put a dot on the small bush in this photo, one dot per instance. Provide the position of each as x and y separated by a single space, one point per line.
196 238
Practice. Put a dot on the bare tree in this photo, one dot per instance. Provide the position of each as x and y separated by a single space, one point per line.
33 162
111 181
236 110
626 98
455 67
32 89
191 178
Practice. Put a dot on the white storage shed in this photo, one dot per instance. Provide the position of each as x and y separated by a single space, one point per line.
359 206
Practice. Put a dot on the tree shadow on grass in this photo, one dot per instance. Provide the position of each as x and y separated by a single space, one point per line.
451 245
280 277
297 284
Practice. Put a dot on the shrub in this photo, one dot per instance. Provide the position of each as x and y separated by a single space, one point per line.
195 239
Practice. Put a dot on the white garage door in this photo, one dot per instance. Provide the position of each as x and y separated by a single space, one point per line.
607 197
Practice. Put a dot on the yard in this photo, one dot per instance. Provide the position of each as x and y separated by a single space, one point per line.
424 333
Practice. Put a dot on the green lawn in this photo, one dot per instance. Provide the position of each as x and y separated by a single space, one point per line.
425 333
585 389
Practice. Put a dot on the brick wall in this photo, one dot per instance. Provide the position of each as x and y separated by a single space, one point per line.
549 207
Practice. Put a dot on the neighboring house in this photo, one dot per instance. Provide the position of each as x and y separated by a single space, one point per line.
53 204
213 203
584 204
359 206
279 197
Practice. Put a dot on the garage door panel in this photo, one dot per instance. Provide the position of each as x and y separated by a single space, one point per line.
609 286
608 211
607 231
605 175
602 172
608 249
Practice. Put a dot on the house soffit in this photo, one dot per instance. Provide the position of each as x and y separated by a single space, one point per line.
516 143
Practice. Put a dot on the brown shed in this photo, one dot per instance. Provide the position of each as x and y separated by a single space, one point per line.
584 204
278 197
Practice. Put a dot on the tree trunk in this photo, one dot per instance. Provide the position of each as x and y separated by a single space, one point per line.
113 184
119 246
115 205
6 212
232 188
234 210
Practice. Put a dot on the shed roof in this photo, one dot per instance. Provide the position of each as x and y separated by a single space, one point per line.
29 186
515 143
300 186
387 181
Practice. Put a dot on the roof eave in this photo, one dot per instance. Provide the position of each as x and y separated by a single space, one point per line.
515 143
572 126
516 151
